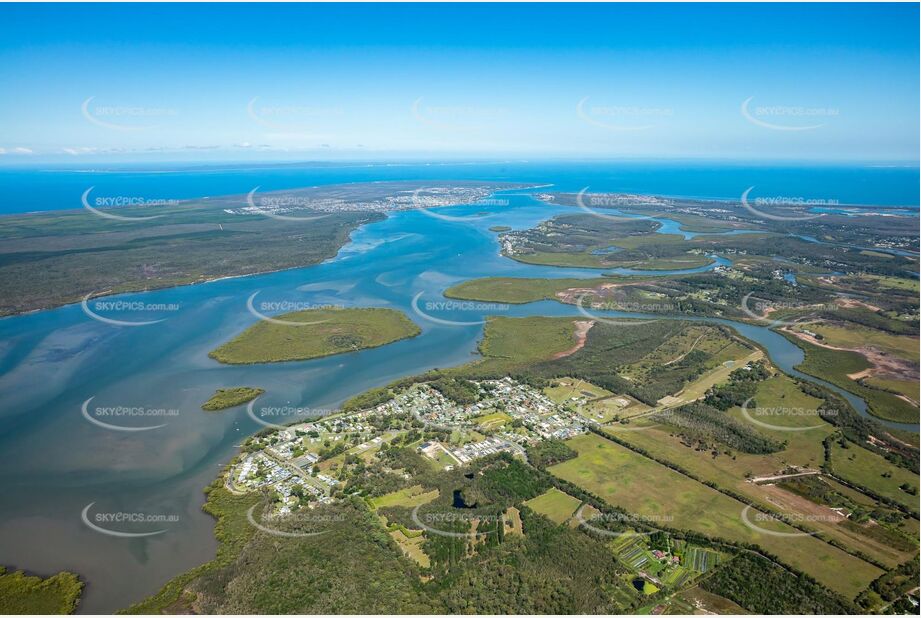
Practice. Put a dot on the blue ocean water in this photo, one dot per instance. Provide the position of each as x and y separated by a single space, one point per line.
59 187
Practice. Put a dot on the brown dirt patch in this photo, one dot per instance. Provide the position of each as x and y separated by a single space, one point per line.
581 334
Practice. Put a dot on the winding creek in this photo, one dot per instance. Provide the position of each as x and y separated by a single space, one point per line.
56 463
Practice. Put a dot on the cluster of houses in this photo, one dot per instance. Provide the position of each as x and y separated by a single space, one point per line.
285 460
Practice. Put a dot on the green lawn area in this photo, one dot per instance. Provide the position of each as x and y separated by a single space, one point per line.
27 594
330 331
649 489
866 468
224 398
495 420
555 505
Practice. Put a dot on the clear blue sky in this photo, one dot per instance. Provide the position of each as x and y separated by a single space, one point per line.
207 82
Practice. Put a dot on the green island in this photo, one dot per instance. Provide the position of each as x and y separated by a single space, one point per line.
321 332
29 594
224 398
576 467
500 228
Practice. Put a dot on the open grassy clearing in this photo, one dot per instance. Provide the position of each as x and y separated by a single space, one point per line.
411 546
895 283
651 490
730 470
555 505
323 332
492 421
854 336
564 389
867 469
699 387
908 388
696 600
409 497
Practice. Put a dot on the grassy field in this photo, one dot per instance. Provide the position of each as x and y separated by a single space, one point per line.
895 283
802 448
909 388
868 469
225 398
555 505
695 599
699 387
651 490
28 594
564 389
335 331
853 336
494 420
409 497
411 546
